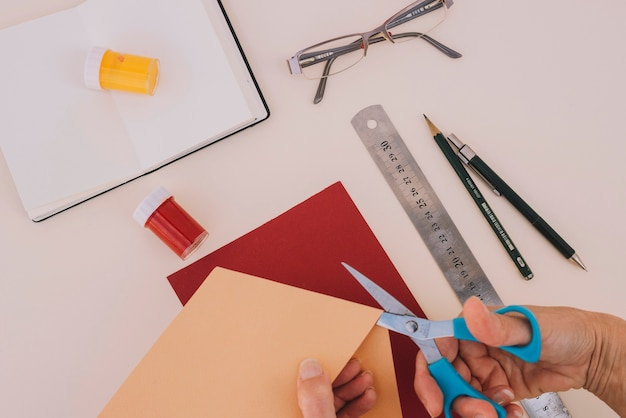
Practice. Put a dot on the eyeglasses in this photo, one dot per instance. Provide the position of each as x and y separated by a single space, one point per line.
339 54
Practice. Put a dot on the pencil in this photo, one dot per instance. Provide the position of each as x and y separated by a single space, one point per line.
480 201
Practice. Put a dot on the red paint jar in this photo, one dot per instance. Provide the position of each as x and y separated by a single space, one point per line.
160 213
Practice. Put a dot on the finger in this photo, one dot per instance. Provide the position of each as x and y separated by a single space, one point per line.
493 329
514 410
360 405
349 372
471 407
502 395
353 389
426 387
315 394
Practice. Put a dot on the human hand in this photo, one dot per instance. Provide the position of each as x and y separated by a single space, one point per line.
568 348
349 396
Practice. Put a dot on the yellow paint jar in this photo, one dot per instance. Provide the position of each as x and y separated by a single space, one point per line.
111 70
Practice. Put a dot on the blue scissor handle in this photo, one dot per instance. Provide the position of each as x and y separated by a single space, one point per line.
453 385
529 352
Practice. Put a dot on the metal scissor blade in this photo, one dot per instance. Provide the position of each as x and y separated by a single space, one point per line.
416 328
384 299
393 306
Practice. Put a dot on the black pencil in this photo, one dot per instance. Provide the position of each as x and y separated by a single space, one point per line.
480 201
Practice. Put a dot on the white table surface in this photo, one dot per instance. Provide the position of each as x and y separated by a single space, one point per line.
539 94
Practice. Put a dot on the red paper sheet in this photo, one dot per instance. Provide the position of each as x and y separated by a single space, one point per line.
304 247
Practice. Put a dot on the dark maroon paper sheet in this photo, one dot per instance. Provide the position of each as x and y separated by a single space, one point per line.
304 247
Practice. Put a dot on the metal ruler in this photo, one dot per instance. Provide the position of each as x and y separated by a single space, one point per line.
435 226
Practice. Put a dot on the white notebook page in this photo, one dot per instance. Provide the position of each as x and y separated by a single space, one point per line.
62 139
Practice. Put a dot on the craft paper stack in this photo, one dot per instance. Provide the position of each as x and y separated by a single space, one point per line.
259 305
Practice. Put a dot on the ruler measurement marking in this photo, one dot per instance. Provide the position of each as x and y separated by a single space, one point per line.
417 197
434 225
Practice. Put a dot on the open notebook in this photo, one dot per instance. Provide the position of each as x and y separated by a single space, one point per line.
65 143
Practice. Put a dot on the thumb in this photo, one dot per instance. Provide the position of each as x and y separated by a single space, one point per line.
315 392
493 329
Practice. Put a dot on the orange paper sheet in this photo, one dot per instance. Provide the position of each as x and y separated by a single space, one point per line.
235 348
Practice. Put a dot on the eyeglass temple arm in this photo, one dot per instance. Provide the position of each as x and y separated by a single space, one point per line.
414 13
451 53
321 87
313 58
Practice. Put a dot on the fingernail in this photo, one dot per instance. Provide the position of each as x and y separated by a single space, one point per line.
310 368
503 397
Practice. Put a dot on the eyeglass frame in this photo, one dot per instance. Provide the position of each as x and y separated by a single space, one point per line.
294 63
446 50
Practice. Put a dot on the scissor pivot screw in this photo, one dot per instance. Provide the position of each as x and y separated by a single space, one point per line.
412 326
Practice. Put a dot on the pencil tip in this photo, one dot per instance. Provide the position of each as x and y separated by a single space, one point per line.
433 129
576 259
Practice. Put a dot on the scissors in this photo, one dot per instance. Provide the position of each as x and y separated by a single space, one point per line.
399 318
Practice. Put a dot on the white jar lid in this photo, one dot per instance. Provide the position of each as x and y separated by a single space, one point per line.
91 72
151 203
